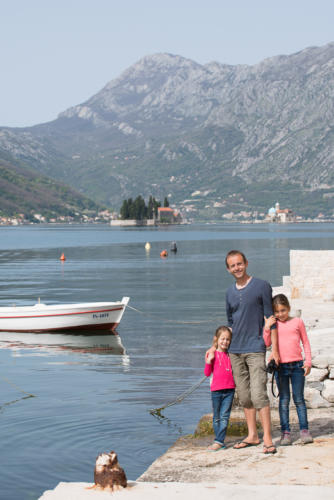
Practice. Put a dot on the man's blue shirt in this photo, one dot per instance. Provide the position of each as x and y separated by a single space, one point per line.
245 310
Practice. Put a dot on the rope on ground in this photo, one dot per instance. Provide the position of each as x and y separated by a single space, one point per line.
17 387
173 320
178 399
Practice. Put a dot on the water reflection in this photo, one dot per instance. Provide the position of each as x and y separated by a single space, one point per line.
50 342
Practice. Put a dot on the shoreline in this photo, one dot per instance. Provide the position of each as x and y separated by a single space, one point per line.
187 469
300 471
184 223
188 461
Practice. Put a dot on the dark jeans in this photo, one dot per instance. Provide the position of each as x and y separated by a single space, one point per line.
222 404
291 372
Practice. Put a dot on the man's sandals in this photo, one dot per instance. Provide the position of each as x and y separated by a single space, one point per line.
267 450
244 444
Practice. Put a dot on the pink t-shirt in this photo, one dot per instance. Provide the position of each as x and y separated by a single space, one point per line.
290 334
221 368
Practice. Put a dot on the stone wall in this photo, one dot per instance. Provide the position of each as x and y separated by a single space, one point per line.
311 274
319 389
133 222
310 289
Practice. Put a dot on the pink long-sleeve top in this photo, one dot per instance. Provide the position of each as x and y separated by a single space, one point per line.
290 334
221 369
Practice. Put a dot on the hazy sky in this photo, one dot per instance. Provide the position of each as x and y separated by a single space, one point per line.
58 53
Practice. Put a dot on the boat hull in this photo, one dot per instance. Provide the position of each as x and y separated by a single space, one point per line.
88 317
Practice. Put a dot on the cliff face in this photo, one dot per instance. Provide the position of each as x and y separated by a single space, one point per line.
168 125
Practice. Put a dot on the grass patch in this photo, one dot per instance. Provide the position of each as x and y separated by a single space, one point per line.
236 427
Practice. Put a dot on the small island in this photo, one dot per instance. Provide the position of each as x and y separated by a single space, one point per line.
137 213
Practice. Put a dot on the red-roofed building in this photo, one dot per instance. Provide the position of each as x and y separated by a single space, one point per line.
169 216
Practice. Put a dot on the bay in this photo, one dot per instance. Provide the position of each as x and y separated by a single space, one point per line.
93 394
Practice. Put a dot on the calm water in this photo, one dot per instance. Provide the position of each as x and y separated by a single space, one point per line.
93 394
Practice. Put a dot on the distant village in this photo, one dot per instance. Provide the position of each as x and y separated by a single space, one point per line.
37 218
220 209
185 213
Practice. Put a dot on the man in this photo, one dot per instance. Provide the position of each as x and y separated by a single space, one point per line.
247 302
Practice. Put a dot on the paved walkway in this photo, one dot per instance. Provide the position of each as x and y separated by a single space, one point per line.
167 491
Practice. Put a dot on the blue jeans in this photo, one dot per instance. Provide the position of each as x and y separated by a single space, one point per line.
291 372
222 404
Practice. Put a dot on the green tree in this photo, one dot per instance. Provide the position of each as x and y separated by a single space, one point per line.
131 208
150 208
124 210
166 202
156 205
137 209
140 209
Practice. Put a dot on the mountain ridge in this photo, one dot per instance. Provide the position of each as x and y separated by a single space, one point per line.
170 125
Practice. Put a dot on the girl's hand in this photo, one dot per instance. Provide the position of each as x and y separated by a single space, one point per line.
210 357
268 322
210 354
275 356
212 350
307 370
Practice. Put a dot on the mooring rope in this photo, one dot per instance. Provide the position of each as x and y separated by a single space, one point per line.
17 387
173 320
178 399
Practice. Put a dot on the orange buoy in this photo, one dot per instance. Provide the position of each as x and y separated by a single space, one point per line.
164 253
62 257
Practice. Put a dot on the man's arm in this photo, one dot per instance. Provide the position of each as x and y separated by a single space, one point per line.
228 313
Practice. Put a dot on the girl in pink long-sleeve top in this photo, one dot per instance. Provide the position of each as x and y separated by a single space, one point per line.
291 334
222 385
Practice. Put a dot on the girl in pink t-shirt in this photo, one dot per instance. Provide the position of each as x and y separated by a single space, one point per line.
222 385
291 333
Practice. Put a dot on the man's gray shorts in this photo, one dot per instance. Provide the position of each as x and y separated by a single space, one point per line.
250 376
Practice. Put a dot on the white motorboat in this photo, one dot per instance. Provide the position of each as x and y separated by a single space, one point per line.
83 317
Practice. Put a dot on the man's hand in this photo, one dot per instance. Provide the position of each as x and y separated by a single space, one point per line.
269 322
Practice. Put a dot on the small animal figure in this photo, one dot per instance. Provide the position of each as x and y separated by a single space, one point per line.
108 475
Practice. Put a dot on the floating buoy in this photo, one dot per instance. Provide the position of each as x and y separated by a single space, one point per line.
62 257
147 246
164 253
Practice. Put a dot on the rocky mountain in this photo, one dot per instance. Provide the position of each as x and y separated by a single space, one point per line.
24 191
224 137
